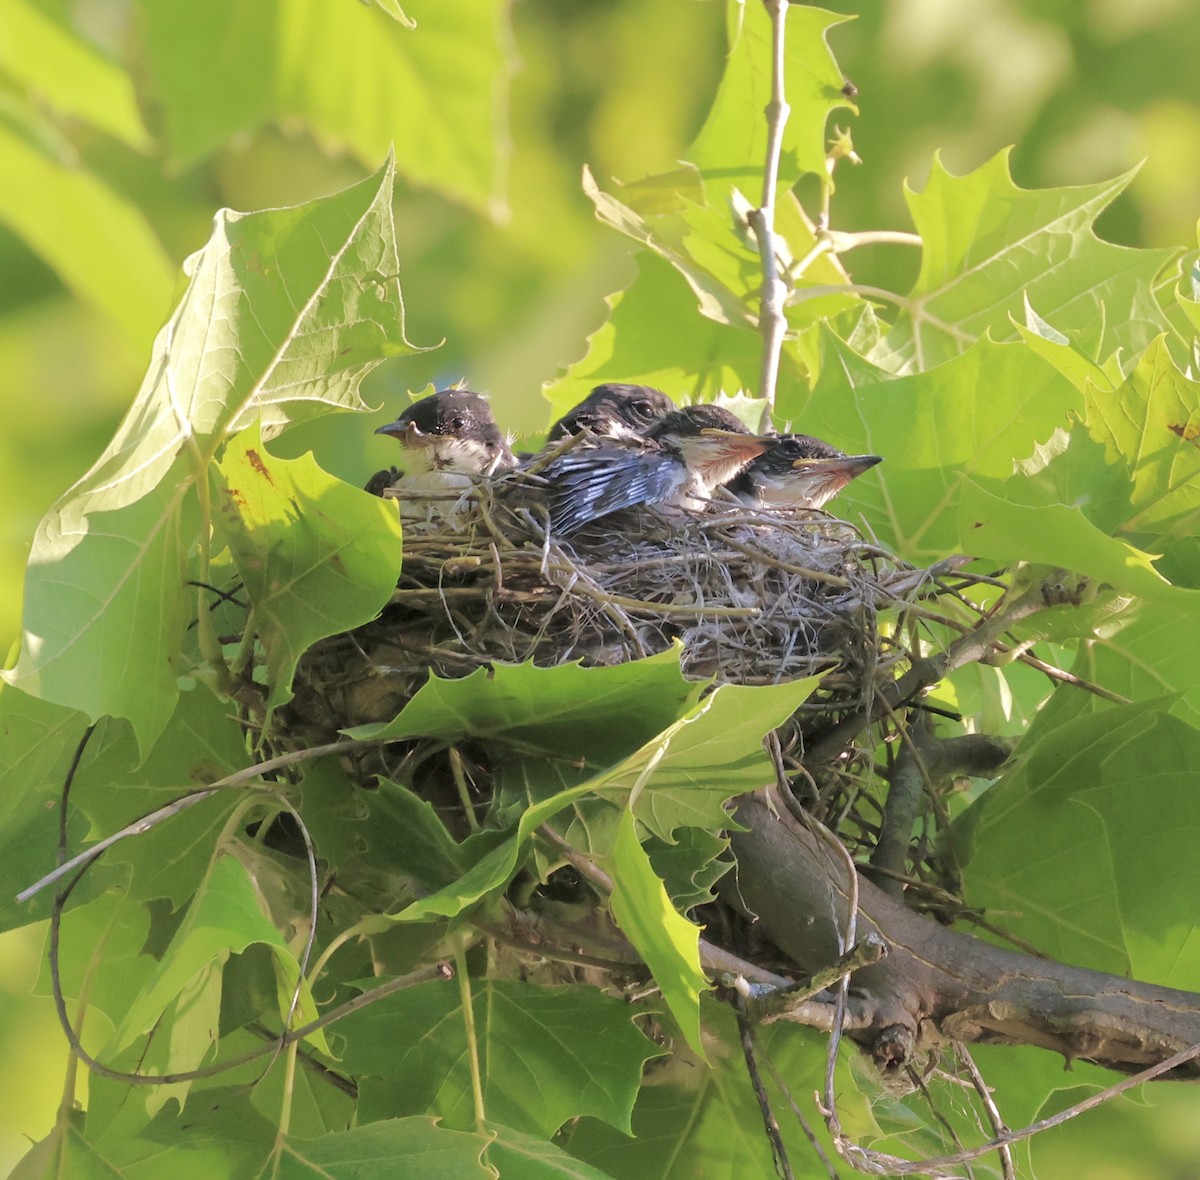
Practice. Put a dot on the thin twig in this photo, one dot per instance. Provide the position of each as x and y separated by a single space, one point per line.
772 320
998 1125
154 818
783 1166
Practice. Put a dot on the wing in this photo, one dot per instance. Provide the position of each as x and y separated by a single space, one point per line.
590 484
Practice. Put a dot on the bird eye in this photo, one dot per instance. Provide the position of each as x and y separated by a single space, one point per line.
457 423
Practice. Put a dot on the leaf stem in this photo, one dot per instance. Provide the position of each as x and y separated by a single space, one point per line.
464 991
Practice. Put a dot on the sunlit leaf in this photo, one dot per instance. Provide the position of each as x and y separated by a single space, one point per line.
733 139
989 246
285 313
668 943
316 556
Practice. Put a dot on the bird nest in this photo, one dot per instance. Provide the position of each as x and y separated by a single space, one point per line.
752 596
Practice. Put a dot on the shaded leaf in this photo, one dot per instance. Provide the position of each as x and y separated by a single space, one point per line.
591 713
225 918
383 1150
547 1054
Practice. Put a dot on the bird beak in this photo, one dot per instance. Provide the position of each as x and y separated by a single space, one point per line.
733 445
407 433
847 468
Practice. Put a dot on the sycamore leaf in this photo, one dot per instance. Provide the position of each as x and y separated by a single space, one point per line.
710 1116
668 943
1094 789
1151 426
384 1150
684 777
654 336
317 556
733 140
591 713
977 415
37 743
548 1054
225 918
532 1158
681 777
285 313
989 245
429 78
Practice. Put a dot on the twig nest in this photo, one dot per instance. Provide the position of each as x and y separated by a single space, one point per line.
753 596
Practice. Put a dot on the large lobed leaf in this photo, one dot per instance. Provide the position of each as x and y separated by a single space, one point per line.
316 556
989 245
431 81
285 312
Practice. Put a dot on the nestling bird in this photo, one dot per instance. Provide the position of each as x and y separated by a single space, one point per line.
448 438
798 471
614 411
684 456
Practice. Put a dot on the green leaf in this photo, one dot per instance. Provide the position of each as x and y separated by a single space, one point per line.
576 712
530 1158
547 1055
681 777
213 68
436 91
317 556
104 595
431 79
1151 426
225 918
384 1150
68 74
37 744
1059 536
285 313
667 942
977 415
989 246
101 245
685 776
654 336
1095 790
733 140
698 1117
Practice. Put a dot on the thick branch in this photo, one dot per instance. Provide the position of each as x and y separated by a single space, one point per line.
937 984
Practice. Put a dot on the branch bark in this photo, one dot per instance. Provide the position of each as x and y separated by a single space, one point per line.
936 984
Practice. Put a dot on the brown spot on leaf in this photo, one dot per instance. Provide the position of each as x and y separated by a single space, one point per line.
255 461
1185 430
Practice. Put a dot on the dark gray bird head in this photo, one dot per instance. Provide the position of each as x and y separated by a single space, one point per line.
614 411
711 441
452 430
798 471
